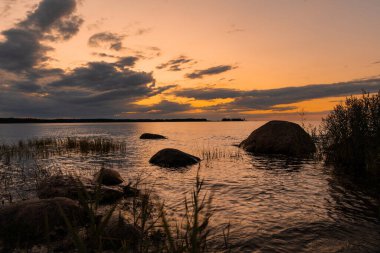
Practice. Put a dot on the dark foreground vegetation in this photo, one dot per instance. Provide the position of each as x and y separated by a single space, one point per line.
71 216
108 213
350 135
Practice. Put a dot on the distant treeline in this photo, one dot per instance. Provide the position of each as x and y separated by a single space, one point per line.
233 119
33 120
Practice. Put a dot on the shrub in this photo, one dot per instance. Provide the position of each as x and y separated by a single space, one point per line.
351 134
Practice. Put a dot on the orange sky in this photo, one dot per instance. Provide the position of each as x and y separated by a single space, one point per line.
269 44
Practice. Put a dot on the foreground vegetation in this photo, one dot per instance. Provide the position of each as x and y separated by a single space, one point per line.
351 135
149 225
152 230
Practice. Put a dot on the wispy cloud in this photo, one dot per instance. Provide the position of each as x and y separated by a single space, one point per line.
209 71
108 40
177 64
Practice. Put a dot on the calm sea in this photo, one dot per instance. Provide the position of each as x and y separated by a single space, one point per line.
274 204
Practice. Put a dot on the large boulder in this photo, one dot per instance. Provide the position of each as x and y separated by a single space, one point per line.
173 158
279 137
108 177
35 220
75 188
149 136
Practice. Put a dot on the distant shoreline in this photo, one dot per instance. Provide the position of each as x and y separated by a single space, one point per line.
33 120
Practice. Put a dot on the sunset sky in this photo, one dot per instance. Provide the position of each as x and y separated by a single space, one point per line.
185 58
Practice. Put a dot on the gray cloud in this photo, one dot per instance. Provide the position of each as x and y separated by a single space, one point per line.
128 61
53 19
98 88
95 89
102 76
23 47
21 50
122 61
109 40
177 64
210 71
267 99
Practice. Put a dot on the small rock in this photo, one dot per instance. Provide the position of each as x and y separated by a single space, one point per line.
108 177
149 136
173 158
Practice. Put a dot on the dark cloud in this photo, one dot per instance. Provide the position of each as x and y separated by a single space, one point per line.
109 40
376 62
123 61
96 89
128 61
268 99
23 48
53 19
103 76
177 64
210 71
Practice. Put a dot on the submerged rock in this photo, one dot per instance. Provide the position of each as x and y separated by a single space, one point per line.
75 188
150 136
279 137
33 220
173 158
108 177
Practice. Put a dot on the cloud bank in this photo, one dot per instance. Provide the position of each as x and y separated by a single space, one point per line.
95 89
268 99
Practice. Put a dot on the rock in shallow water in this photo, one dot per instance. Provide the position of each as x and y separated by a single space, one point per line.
279 137
33 220
173 158
75 188
149 136
108 177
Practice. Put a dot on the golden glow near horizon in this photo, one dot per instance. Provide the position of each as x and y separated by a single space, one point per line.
270 44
